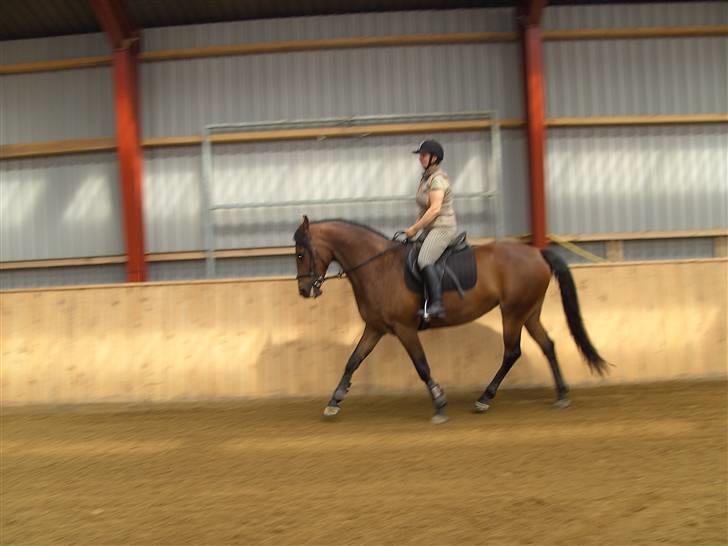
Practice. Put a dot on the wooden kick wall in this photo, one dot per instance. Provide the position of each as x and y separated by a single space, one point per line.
258 338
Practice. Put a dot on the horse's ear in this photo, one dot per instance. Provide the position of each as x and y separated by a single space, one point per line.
305 223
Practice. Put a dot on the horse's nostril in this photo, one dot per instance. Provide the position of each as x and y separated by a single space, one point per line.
303 292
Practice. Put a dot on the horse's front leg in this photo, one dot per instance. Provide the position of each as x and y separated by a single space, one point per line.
411 341
368 341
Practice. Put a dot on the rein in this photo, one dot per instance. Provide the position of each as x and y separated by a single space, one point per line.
320 279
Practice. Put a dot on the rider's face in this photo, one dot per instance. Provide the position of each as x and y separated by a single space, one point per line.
425 159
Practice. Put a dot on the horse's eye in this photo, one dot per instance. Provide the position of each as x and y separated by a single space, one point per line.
299 256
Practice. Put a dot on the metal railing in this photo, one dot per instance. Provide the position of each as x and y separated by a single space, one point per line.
207 179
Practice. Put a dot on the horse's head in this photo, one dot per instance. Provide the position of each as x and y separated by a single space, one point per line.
312 261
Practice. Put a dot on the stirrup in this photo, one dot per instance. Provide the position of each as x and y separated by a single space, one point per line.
423 313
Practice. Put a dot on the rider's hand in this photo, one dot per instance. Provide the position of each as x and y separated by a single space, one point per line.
410 233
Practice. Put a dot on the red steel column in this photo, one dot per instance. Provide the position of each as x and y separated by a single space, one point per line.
113 15
535 118
130 160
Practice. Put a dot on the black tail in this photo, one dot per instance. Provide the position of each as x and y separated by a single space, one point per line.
571 307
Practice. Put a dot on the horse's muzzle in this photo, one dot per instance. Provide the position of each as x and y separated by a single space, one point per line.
311 291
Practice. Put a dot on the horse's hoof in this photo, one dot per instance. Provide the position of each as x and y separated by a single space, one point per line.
439 419
481 407
562 403
331 411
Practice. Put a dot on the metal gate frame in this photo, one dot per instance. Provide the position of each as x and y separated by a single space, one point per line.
494 168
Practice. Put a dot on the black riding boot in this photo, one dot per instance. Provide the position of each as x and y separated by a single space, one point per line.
435 307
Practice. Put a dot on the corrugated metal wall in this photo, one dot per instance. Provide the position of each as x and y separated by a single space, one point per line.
635 15
60 207
64 206
62 276
308 170
636 77
267 173
584 79
52 49
668 249
56 105
650 178
180 97
61 105
269 266
332 26
637 178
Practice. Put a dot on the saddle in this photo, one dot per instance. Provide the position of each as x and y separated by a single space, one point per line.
456 268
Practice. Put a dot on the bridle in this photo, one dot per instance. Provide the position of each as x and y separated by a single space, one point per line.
320 279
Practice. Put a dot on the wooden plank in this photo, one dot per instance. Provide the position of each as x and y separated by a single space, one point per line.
644 235
171 257
164 342
221 254
259 48
288 278
333 132
343 132
52 66
64 262
325 132
156 257
40 149
176 256
511 123
638 263
255 252
605 121
289 250
171 141
57 147
636 32
575 249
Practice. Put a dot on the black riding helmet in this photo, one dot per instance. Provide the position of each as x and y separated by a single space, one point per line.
431 147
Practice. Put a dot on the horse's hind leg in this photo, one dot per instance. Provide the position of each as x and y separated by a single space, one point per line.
411 342
368 341
512 327
539 335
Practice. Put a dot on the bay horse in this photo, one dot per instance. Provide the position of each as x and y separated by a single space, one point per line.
510 274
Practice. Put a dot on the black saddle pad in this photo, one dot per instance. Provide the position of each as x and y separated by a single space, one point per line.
458 258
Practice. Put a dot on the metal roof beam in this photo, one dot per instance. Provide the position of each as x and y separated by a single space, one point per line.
531 11
115 19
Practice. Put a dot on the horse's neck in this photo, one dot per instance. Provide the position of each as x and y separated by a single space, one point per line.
351 245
